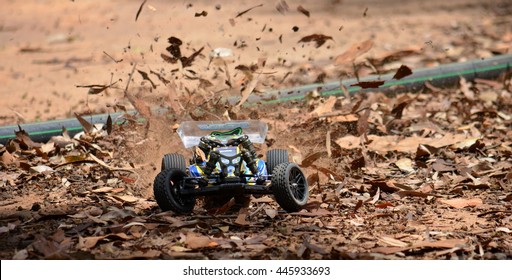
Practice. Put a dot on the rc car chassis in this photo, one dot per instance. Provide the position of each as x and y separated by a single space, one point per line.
225 161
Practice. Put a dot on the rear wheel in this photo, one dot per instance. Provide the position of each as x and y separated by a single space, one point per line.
290 186
166 188
170 161
276 157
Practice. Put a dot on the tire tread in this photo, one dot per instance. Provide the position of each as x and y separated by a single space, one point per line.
276 157
281 188
174 160
165 198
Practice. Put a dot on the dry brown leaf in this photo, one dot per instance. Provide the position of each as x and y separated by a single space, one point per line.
412 193
375 197
85 124
504 229
263 199
489 97
405 165
343 118
319 39
441 165
398 109
21 255
102 190
312 179
6 158
462 202
389 250
248 10
302 10
396 55
368 84
468 144
392 241
328 143
140 10
224 208
90 242
311 158
449 243
197 241
324 108
25 139
127 198
328 172
241 219
140 105
362 124
175 248
425 151
353 52
402 72
246 93
270 212
466 89
314 213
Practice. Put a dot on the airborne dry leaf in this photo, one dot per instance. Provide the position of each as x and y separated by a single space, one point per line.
354 52
319 39
369 84
402 72
303 11
248 10
140 9
310 159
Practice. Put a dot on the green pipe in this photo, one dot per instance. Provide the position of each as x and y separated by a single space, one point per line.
443 76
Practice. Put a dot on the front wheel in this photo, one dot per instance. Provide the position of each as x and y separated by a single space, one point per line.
166 188
290 186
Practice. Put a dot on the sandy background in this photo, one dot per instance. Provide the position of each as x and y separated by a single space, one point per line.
47 48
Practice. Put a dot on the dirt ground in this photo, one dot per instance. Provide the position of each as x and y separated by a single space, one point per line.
374 199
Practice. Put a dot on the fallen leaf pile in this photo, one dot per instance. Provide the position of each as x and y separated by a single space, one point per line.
433 181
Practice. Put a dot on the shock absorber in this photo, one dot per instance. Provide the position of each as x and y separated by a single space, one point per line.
249 154
210 164
204 146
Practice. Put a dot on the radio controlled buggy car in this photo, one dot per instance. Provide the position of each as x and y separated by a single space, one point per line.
225 161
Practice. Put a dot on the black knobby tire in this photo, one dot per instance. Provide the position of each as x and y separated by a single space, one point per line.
170 161
276 157
166 188
290 186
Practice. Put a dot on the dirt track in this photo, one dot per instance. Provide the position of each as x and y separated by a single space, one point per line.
450 201
50 47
